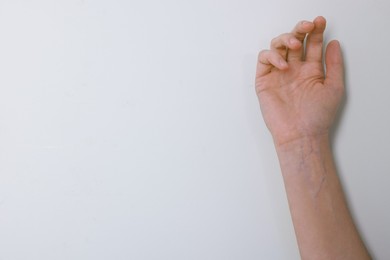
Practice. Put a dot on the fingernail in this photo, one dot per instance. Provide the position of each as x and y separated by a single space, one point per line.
294 41
283 64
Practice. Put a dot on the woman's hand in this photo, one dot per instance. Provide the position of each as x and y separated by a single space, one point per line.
297 98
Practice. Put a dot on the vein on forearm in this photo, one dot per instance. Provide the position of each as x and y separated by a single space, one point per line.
313 166
322 222
306 161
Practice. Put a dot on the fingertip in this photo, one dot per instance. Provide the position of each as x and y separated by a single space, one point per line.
320 22
320 18
307 24
282 65
294 43
335 44
333 52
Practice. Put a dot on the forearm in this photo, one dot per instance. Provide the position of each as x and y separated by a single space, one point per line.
322 222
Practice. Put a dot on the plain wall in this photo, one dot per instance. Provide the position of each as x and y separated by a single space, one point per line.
131 129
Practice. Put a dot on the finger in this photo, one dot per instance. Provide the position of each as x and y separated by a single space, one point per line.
334 66
269 59
285 41
300 31
314 41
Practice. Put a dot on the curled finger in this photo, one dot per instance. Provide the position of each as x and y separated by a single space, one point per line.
300 31
269 59
284 42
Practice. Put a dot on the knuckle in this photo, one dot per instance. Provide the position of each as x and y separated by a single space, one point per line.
302 23
281 41
262 54
274 41
287 36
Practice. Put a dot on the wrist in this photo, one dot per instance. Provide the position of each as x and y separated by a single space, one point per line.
309 157
308 142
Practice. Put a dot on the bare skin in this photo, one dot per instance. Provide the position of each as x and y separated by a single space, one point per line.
299 103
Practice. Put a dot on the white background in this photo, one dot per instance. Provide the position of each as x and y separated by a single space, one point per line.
131 129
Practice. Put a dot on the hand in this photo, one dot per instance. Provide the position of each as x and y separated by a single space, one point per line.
297 100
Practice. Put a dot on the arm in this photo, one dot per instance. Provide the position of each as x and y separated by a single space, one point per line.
299 103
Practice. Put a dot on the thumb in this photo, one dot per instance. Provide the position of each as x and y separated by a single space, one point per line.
334 65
